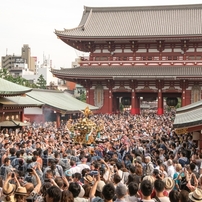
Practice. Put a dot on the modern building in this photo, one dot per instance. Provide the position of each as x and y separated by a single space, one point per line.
16 63
134 52
43 69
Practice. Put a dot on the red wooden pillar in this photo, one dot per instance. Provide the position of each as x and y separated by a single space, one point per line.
110 101
200 142
110 85
183 100
133 102
115 105
88 85
88 95
137 105
22 115
58 119
91 97
105 107
160 102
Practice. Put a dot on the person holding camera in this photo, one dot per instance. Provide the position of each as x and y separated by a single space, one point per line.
9 188
5 168
14 192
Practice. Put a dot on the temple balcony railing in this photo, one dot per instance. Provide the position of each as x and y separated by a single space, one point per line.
142 63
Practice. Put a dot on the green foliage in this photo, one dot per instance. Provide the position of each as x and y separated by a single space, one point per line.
82 97
179 104
121 107
41 82
5 74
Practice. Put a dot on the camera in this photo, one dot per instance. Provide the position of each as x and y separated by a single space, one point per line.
94 173
29 170
13 175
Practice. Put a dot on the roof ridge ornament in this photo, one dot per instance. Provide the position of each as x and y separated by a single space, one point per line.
86 23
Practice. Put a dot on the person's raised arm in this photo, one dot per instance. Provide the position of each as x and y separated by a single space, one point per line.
94 187
38 186
103 161
65 181
6 182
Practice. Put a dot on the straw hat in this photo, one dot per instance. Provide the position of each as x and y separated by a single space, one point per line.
88 178
9 190
169 182
196 195
21 191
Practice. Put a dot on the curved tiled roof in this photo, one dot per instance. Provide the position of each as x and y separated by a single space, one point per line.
59 100
8 88
189 107
130 71
188 118
153 21
23 101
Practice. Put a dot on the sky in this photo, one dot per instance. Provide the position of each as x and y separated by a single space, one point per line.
33 23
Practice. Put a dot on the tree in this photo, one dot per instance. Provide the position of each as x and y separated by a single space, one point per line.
41 82
82 97
4 73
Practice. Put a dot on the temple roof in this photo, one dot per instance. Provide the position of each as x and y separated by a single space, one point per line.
137 22
190 107
127 72
22 101
59 100
192 117
8 88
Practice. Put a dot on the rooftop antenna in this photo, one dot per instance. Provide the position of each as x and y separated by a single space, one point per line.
43 57
6 51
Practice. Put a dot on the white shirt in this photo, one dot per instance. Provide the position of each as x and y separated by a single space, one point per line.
164 199
82 166
171 171
74 170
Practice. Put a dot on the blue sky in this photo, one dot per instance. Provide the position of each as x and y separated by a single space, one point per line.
34 22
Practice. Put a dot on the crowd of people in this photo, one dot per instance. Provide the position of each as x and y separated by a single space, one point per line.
134 158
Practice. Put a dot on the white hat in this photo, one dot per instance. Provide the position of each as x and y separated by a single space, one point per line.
196 195
169 182
100 186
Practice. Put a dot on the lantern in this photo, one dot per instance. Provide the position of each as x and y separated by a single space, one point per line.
171 101
126 101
